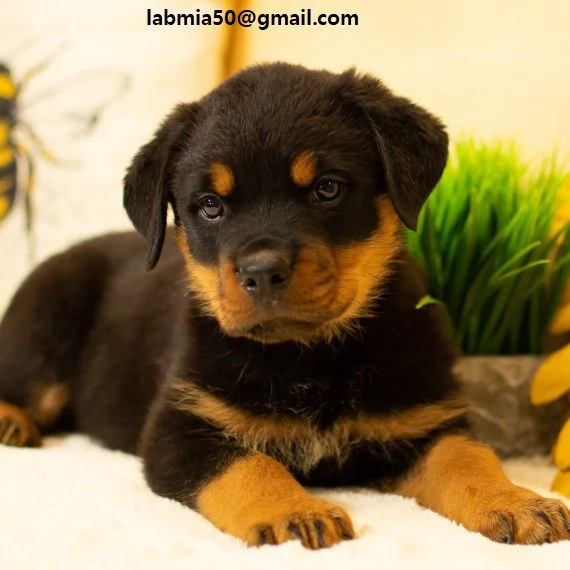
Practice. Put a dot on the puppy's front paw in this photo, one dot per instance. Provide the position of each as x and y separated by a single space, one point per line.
520 516
315 522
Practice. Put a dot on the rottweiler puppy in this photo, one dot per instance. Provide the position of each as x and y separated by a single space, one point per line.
277 344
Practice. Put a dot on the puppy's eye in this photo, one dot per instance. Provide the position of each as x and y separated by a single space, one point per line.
211 208
328 190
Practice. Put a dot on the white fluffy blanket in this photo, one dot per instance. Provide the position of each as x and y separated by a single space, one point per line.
72 505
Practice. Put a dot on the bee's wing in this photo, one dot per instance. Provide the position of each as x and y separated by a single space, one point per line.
73 106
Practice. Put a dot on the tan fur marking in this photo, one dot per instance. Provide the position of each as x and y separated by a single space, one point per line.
17 428
330 288
203 281
463 480
364 268
222 178
257 499
299 444
48 403
216 288
304 169
234 306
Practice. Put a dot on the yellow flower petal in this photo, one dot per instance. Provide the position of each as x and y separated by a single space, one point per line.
561 483
4 205
552 379
561 321
562 447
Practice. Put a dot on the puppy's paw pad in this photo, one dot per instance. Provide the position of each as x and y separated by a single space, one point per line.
315 523
16 428
528 519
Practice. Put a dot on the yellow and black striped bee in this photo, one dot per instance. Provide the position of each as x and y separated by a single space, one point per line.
9 152
17 159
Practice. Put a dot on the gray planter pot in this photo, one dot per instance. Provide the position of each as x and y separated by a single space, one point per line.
497 388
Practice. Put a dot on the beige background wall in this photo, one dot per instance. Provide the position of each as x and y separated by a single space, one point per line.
492 67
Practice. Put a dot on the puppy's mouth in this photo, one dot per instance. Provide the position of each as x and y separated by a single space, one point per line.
279 329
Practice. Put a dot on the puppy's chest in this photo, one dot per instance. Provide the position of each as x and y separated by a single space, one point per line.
319 393
309 407
299 445
300 415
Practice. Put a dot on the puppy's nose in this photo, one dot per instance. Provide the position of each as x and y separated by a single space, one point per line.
265 273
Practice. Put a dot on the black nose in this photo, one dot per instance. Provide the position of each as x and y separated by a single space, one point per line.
265 273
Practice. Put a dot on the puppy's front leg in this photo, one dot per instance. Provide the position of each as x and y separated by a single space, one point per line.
244 493
464 481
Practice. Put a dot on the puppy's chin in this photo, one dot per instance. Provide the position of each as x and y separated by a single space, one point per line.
278 330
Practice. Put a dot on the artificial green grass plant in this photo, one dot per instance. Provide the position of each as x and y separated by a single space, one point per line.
486 241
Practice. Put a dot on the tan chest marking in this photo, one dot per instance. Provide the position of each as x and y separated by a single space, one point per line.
297 443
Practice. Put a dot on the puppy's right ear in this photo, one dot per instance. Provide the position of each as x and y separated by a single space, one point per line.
411 143
147 182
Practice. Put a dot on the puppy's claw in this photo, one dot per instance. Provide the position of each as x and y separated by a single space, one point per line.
346 532
16 428
527 519
266 535
320 528
316 524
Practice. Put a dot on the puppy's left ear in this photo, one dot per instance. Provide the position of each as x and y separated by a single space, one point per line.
147 182
411 142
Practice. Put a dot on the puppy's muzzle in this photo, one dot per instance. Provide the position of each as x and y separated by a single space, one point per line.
265 274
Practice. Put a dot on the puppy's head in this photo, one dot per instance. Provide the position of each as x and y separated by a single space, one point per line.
289 188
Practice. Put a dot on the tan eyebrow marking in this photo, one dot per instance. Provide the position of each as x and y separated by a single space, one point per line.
222 178
304 168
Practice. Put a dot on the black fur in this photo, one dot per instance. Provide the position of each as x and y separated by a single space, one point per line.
256 122
93 319
146 188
